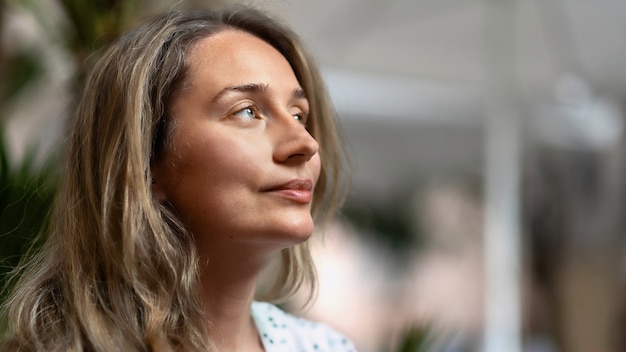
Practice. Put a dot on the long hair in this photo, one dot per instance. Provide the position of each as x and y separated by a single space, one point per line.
119 271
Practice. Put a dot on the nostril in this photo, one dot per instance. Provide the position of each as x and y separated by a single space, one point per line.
299 148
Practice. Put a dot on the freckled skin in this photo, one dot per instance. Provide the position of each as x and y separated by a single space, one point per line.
222 157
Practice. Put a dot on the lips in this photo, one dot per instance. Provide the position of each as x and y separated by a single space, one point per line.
296 190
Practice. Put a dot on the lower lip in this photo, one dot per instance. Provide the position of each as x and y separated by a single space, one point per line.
297 195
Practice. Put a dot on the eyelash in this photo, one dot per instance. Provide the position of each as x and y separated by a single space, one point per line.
250 107
300 117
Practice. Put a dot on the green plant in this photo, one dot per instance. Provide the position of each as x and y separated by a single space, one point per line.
26 194
416 339
27 186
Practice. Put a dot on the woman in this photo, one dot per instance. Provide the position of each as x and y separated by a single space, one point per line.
201 145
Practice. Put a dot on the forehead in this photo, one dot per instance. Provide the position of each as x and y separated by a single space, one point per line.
233 56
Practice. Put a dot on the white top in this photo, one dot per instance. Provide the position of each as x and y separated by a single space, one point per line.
283 332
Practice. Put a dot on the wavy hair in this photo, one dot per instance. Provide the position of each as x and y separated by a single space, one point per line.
119 271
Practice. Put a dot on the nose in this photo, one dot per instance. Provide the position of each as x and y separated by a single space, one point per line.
294 144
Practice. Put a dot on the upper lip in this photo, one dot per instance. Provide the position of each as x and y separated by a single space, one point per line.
304 184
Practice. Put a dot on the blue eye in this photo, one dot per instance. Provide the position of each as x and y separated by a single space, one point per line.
246 113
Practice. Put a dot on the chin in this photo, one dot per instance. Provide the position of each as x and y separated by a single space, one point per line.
294 232
301 233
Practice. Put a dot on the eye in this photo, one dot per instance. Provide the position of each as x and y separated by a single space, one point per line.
247 113
301 117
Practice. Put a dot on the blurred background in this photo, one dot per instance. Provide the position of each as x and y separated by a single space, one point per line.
487 137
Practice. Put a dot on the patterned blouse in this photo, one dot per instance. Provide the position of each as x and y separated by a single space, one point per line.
283 332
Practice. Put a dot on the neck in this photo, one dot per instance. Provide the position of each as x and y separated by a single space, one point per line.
228 285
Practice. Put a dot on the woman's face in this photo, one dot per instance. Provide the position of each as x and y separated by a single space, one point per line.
241 166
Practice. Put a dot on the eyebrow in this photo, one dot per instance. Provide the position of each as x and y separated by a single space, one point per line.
299 93
254 88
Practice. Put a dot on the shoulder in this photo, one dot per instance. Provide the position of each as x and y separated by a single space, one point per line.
281 331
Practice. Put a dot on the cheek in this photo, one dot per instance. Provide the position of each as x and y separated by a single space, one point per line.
202 182
208 166
214 163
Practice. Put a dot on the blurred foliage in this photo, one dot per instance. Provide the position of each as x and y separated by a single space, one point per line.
94 24
25 198
27 186
392 224
416 339
20 70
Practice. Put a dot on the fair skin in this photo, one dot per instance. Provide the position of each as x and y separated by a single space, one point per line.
240 172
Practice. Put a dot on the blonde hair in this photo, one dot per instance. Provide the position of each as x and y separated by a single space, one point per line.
119 271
